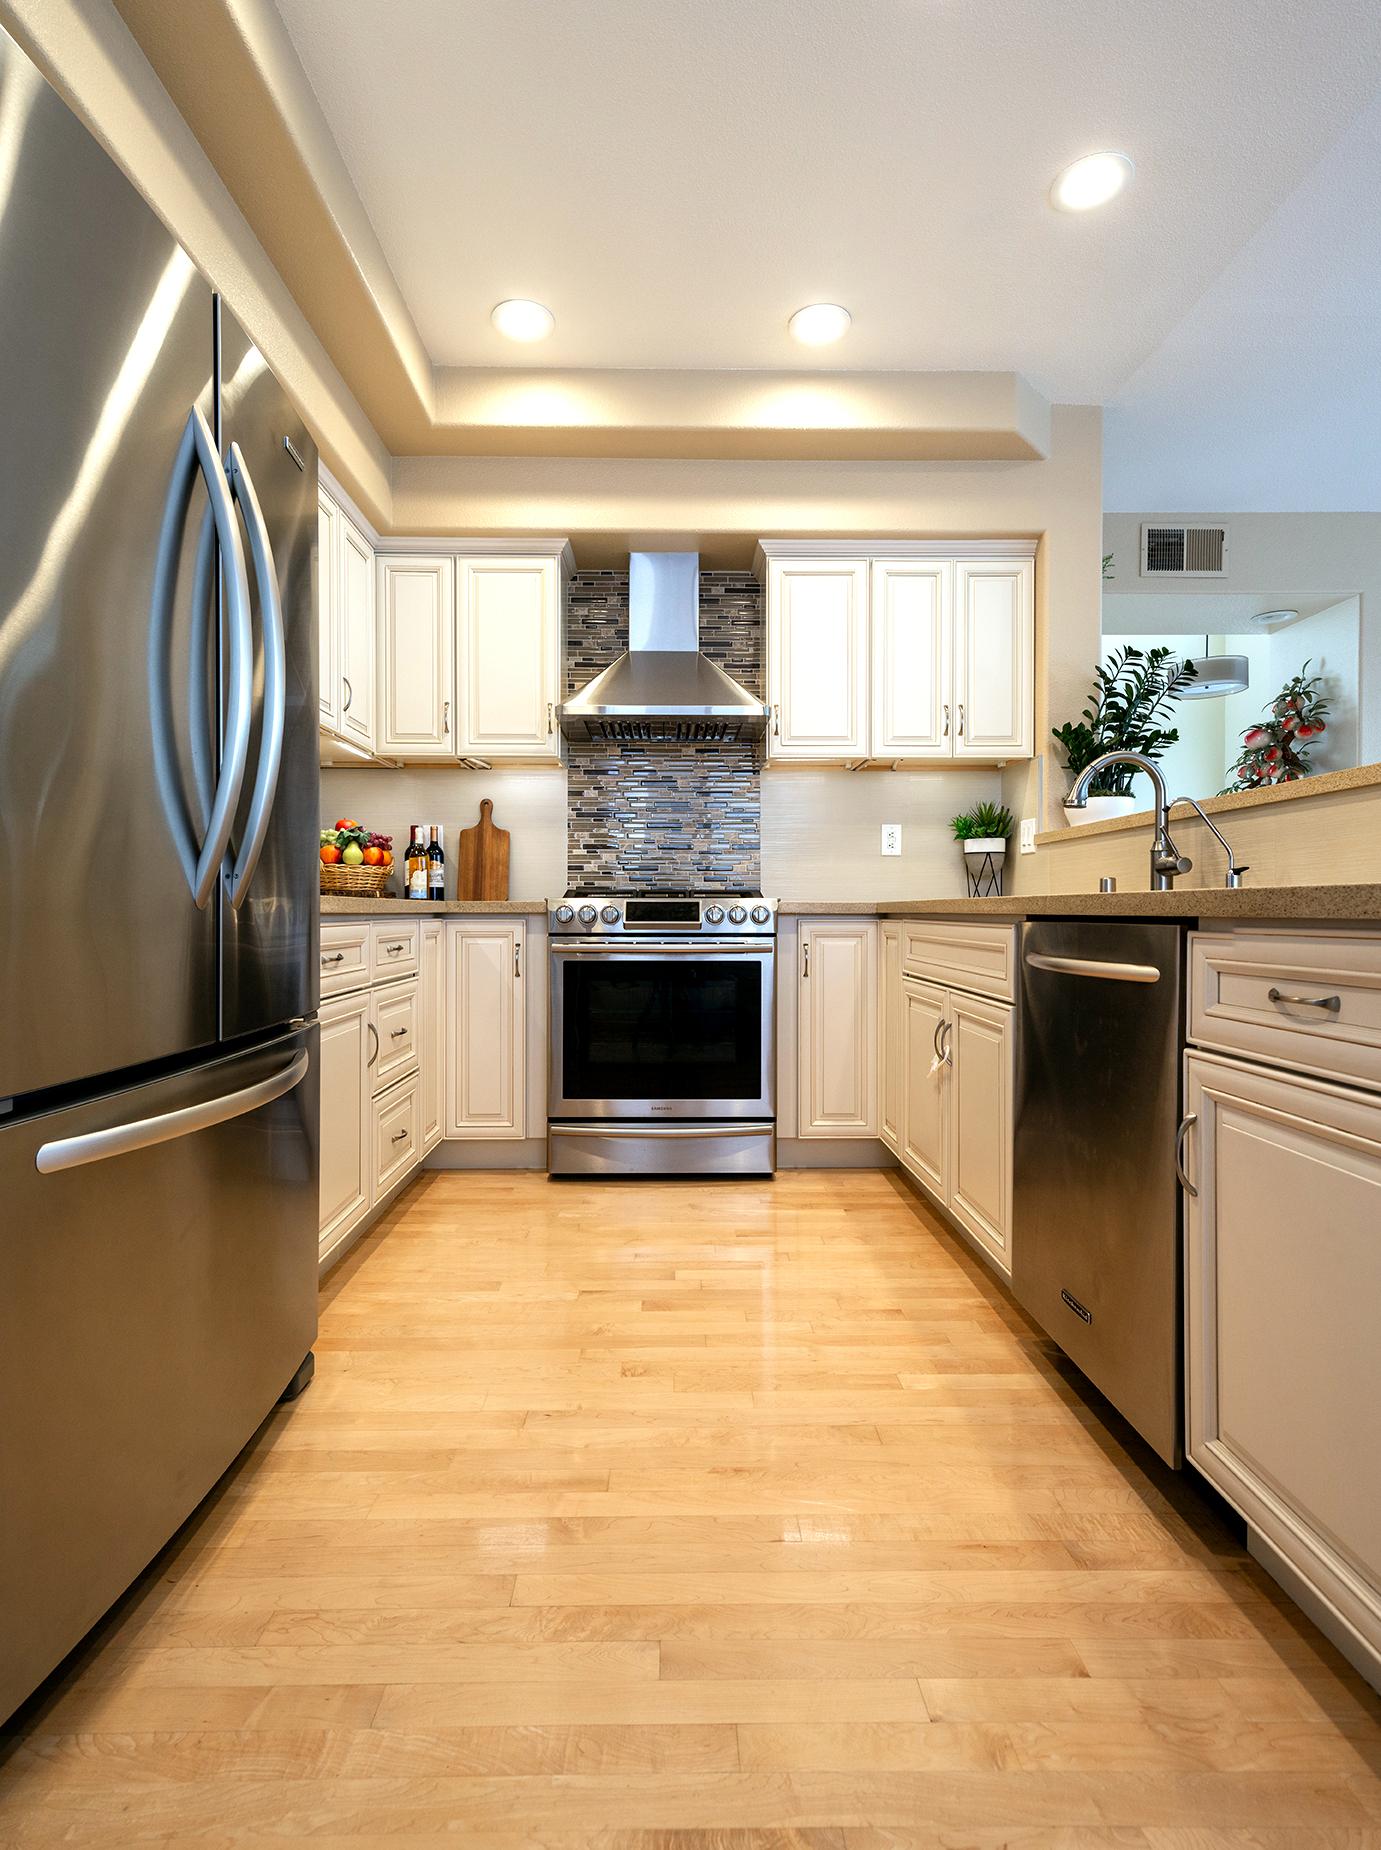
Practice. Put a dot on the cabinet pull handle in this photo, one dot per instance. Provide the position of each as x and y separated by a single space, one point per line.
517 959
961 719
393 949
337 958
1332 1003
551 718
1186 1123
349 693
375 1032
446 720
396 1034
946 1048
398 1137
805 957
935 1037
945 733
776 722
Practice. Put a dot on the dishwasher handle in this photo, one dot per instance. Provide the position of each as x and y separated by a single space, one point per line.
1094 967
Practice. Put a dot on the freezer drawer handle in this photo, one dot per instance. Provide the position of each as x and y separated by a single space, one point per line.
1333 1004
1186 1125
1093 966
275 681
96 1146
197 453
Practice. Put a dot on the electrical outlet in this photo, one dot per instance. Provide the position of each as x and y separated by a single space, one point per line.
1028 835
891 838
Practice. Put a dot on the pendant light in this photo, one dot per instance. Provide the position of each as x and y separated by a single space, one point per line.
1216 675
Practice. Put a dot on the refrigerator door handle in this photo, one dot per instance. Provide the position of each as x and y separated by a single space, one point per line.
197 451
96 1146
275 679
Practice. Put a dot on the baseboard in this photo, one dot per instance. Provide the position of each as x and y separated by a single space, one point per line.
834 1153
1356 1649
488 1153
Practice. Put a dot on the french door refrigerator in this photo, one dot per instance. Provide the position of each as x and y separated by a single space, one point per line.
158 966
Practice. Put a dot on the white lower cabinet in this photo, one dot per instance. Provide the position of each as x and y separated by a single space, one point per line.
958 1058
891 1067
345 1141
431 1003
836 1025
1282 1284
486 1065
396 1139
393 1017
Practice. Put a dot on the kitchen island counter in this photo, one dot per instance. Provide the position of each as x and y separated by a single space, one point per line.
1359 904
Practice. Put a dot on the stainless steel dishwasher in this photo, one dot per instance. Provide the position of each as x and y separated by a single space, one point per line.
1096 1231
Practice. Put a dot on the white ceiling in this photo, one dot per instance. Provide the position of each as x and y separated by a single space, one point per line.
673 177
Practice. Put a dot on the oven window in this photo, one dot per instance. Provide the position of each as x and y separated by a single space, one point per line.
672 1030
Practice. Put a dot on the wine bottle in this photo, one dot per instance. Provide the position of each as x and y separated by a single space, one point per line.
416 864
436 866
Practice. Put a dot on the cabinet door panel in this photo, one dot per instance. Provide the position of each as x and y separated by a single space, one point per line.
1283 1276
837 1028
485 1012
417 653
356 630
980 1043
431 993
818 659
511 627
925 1122
327 611
994 658
911 627
891 1038
345 1141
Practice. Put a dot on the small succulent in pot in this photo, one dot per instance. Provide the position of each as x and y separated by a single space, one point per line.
984 828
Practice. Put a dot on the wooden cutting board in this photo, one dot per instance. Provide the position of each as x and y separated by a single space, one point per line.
483 866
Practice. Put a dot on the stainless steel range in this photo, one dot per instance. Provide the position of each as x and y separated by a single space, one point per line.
663 1034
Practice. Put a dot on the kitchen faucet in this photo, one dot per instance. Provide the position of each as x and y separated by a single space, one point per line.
1166 859
1235 871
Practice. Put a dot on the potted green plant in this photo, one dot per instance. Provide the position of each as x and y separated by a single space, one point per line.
1133 694
982 832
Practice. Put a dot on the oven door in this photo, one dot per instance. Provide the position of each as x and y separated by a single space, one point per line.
665 1030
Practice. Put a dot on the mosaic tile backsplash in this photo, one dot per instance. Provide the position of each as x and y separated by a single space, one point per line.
655 817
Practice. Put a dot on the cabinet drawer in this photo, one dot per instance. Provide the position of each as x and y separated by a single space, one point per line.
1306 1000
344 956
967 955
396 1143
393 1018
393 949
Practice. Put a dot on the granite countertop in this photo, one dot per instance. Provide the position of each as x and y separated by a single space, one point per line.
1358 903
344 906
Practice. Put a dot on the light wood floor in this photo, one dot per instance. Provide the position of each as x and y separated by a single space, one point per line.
655 1516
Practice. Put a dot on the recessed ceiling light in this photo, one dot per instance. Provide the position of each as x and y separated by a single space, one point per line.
1092 181
520 320
820 323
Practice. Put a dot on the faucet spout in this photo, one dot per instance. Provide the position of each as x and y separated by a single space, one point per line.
1166 859
1236 868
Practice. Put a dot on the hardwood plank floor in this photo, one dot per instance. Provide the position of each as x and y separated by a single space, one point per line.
653 1516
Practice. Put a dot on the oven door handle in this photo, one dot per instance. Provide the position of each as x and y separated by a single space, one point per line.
661 950
661 1130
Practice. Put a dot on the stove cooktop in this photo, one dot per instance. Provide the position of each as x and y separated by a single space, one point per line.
719 913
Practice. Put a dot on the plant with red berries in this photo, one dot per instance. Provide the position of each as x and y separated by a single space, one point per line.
1275 750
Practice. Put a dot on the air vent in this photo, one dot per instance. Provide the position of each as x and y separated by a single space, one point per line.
1184 552
655 731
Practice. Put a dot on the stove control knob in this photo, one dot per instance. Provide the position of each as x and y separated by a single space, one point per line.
564 914
714 915
588 915
737 914
760 914
610 915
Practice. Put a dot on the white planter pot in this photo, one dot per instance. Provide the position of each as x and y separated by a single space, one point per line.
1100 809
986 844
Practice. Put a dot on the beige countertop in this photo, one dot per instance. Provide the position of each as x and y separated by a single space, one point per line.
343 906
1361 903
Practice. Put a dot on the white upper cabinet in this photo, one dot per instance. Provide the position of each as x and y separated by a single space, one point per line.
328 518
912 714
916 650
416 640
994 658
817 658
510 649
356 631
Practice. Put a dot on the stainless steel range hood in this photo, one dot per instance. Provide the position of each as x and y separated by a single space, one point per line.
664 688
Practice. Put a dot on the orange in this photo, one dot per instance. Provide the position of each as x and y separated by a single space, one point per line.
373 857
330 853
388 857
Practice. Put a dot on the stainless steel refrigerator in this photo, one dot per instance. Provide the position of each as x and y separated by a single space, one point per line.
158 913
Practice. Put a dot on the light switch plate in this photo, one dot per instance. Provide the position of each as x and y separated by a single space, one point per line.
1028 835
891 838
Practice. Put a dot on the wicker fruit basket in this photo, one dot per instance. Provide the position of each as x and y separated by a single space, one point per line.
358 882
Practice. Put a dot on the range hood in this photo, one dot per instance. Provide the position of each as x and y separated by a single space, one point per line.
664 688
